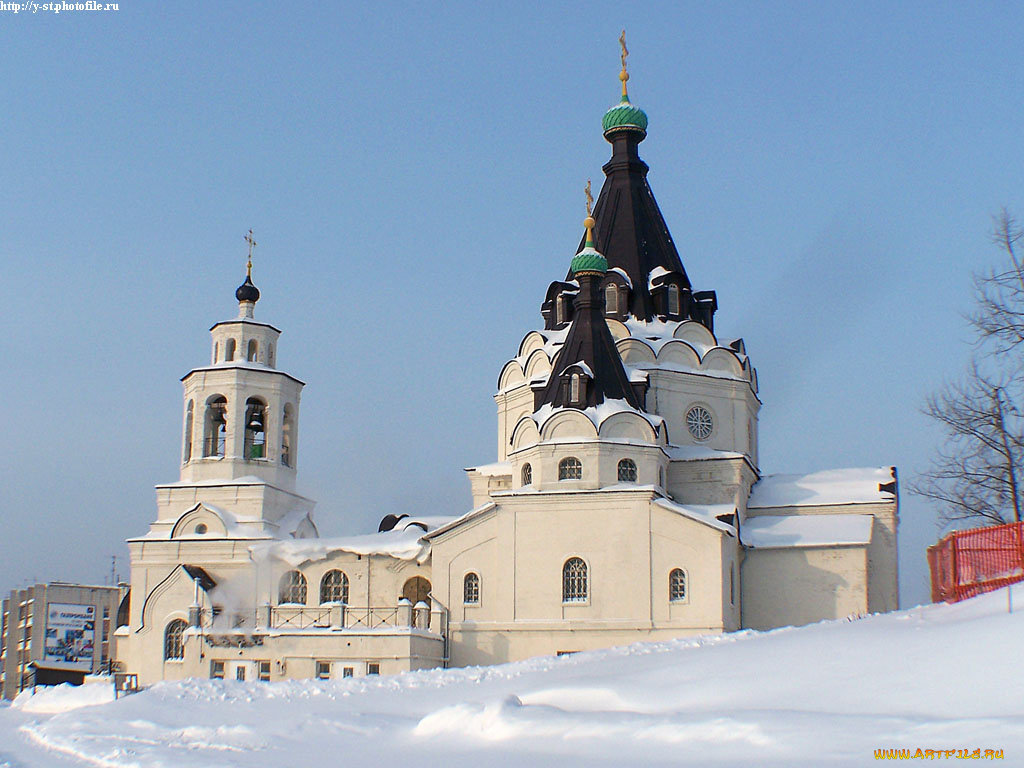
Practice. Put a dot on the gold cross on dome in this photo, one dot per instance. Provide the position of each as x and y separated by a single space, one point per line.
624 75
590 197
252 245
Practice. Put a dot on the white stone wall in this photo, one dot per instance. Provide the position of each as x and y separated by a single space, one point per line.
519 548
801 585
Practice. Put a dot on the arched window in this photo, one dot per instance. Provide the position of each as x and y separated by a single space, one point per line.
174 640
124 610
229 351
188 431
471 589
292 588
334 587
574 388
677 585
270 355
611 299
250 353
527 474
627 471
216 351
287 427
673 299
561 304
215 426
574 581
255 429
570 469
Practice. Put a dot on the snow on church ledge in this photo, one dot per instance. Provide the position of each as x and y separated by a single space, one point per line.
860 485
402 544
781 531
702 513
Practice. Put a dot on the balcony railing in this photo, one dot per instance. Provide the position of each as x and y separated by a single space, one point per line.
332 616
300 617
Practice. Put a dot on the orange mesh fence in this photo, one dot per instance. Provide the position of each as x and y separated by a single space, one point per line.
968 563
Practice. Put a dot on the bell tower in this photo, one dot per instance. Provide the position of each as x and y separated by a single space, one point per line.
240 431
241 411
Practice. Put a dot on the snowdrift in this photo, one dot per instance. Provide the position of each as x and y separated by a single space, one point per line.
935 677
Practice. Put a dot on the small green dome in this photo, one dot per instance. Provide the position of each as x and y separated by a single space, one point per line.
589 260
624 116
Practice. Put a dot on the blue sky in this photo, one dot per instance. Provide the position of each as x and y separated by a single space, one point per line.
413 174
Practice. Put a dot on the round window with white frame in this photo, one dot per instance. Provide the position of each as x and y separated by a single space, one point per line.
699 422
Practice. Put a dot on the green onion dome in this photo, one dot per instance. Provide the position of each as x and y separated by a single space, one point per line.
589 260
624 117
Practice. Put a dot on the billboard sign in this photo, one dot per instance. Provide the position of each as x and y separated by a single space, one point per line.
70 635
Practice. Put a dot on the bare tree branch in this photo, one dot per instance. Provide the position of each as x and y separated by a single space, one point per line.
976 474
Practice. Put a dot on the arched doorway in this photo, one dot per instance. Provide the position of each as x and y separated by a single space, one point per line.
417 589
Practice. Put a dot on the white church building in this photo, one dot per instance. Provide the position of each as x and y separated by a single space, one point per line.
626 502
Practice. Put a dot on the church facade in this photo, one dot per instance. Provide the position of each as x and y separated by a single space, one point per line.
626 502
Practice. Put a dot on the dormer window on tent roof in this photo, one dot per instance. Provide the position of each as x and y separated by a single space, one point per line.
611 299
673 299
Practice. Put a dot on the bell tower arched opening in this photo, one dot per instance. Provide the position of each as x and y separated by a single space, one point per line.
215 427
288 436
255 429
188 432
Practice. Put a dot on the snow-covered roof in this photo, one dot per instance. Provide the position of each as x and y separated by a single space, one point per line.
598 413
222 366
460 519
698 453
403 543
702 513
553 340
651 329
635 374
776 531
623 487
582 366
622 273
424 522
246 480
654 274
497 469
829 487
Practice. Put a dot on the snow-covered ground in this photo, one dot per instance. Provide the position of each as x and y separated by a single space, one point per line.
937 677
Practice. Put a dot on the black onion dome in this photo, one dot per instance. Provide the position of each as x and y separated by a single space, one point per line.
247 291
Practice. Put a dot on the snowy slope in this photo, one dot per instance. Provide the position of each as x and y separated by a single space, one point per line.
938 677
